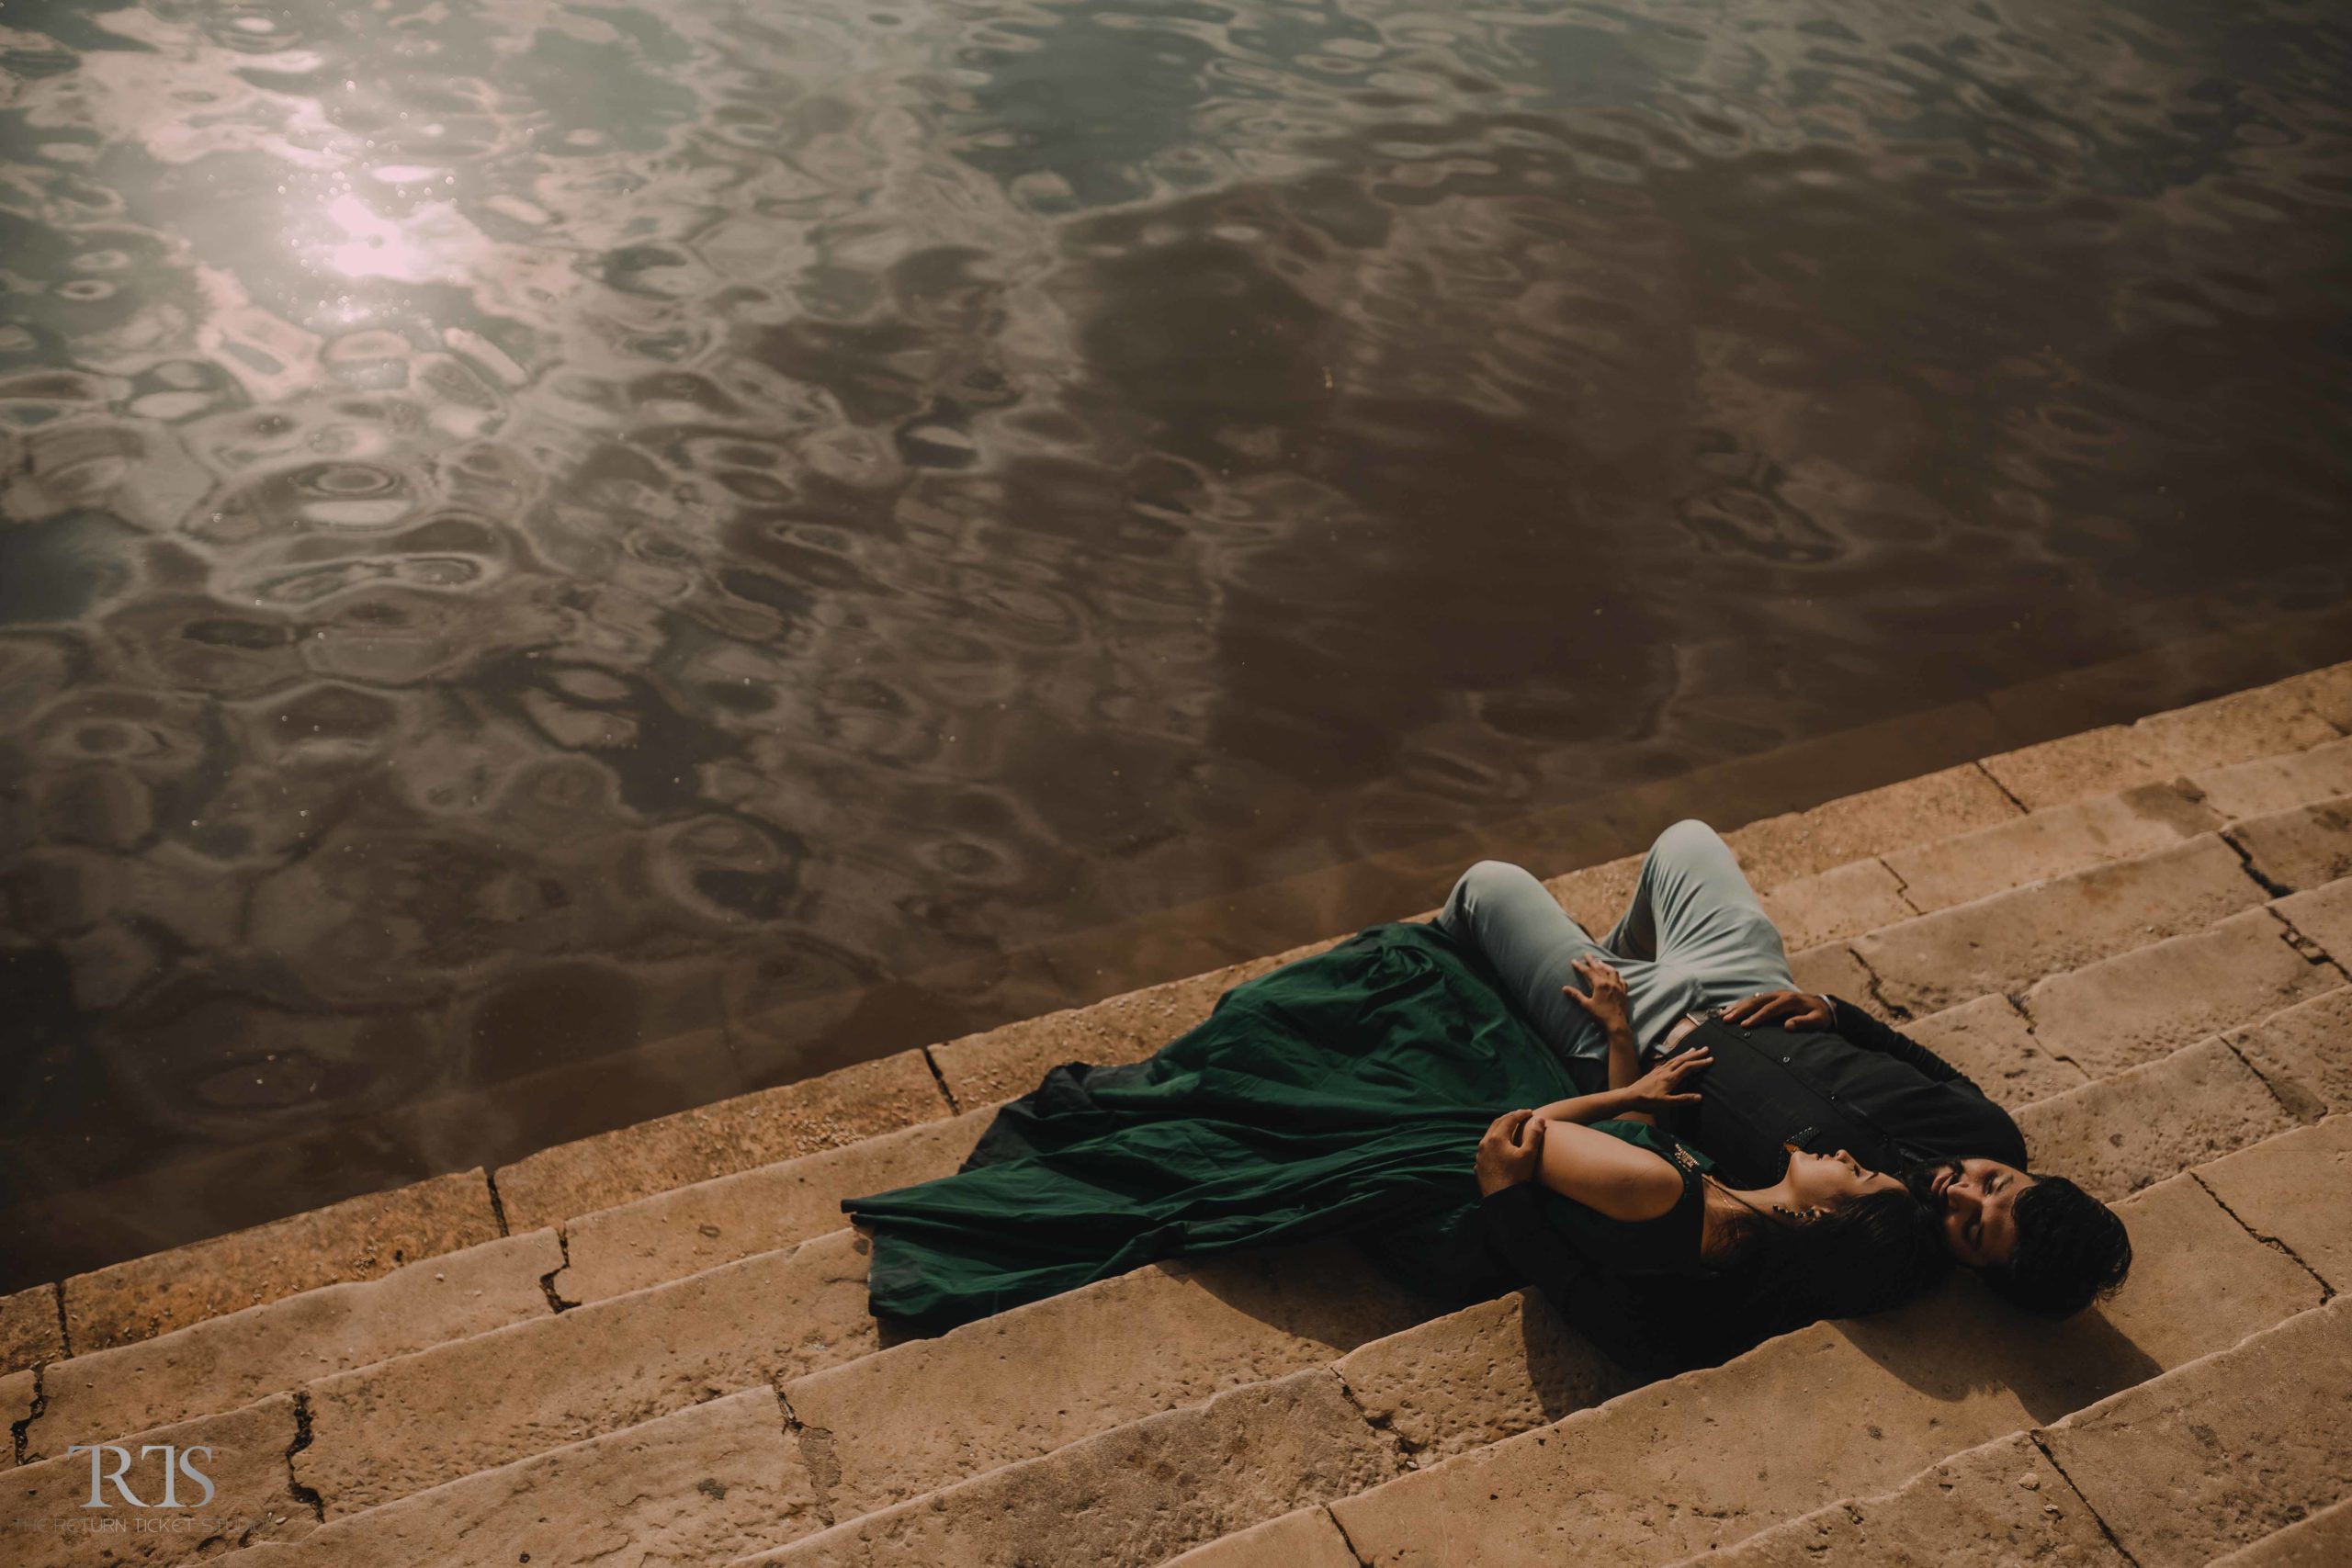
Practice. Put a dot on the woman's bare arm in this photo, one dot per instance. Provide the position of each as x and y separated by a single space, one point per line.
1639 1101
1622 1181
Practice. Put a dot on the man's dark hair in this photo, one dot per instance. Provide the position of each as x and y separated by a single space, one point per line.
1860 1255
2071 1250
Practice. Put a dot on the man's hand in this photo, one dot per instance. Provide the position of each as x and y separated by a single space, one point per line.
1607 1001
1794 1010
1662 1088
1510 1152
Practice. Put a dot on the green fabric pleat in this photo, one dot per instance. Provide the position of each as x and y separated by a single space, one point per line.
1343 1094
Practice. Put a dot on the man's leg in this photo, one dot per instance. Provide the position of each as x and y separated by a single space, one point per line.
1532 946
1695 915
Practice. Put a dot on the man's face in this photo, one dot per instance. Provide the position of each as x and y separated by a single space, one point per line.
1978 1201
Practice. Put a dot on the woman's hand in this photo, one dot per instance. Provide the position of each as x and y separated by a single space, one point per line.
1607 1001
1509 1153
1795 1009
1662 1088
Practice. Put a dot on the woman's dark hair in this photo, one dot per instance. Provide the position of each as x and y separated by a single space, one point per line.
1858 1256
2072 1249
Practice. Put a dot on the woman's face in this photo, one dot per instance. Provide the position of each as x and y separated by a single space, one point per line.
1819 1181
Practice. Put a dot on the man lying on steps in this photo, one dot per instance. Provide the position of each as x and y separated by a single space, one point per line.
1706 969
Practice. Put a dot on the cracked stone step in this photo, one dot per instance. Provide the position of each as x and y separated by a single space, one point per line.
360 1238
384 1431
2053 843
1705 1459
2220 1454
1027 1381
708 1482
2305 1053
2011 940
687 1229
43 1504
2277 783
1306 1538
2322 1540
1138 1494
2306 846
1998 1504
234 1360
2141 1005
1991 1043
32 1328
2262 722
2294 1190
2117 1134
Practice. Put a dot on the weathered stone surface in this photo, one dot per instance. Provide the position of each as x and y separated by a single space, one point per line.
2264 722
2296 1190
695 1487
1478 1375
2277 783
2305 1053
235 1358
2146 1123
2144 1004
1840 902
2073 767
1306 1538
2013 939
1703 1460
46 1524
981 1069
2322 1540
18 1391
387 1430
360 1238
1596 896
1857 827
2308 847
2323 916
29 1330
1833 969
671 1235
2047 843
1029 1379
780 1123
1993 1506
1990 1041
1139 1494
2328 692
2220 1454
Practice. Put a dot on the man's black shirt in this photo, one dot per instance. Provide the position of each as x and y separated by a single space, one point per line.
1888 1100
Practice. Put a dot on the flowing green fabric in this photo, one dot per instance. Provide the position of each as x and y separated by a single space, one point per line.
1344 1094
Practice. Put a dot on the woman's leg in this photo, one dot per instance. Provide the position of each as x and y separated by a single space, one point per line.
1695 915
1532 946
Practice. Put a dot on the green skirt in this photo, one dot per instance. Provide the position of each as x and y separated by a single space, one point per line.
1344 1095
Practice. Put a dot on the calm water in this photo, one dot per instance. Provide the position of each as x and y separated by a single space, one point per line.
531 528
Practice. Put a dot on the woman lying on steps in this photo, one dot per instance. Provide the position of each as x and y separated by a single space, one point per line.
1349 1094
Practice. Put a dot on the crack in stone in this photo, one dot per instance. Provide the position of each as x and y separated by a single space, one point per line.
64 1329
2262 879
2007 792
20 1432
1878 995
302 1494
941 1080
556 1302
497 1204
2326 1294
1406 1450
2121 1550
1345 1539
1901 888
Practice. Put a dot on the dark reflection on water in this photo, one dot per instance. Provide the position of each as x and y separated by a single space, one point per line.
535 527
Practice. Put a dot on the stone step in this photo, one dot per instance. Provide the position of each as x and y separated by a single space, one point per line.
1092 1391
1957 1358
2322 1541
2214 1456
2256 749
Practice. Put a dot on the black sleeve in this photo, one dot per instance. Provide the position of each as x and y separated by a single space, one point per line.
1594 1303
1860 1029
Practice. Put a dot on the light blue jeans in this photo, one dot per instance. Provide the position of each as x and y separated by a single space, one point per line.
1693 938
